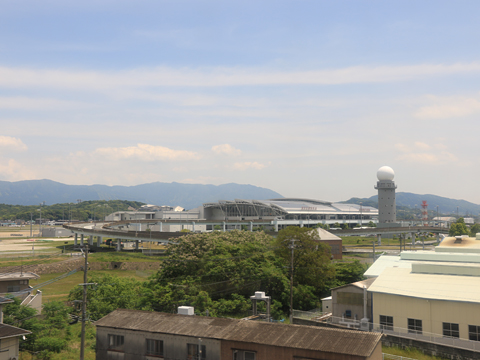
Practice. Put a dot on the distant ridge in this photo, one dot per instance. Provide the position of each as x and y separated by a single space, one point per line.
445 205
32 192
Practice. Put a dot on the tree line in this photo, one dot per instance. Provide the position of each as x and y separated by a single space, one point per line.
79 211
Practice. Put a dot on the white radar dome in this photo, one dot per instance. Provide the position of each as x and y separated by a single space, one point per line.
385 173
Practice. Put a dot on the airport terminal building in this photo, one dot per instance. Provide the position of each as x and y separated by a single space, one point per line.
278 213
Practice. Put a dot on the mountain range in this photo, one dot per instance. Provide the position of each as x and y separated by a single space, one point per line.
33 192
412 201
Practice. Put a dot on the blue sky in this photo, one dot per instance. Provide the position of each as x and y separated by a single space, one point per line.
307 98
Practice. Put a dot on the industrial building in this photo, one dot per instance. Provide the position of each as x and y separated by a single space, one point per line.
430 296
133 334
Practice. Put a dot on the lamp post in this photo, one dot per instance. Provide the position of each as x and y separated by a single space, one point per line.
361 214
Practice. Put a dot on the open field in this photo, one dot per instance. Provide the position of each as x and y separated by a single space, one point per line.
59 290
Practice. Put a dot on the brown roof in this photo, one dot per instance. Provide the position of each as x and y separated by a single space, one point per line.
294 336
7 331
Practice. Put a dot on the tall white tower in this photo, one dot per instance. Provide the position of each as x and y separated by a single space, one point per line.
387 212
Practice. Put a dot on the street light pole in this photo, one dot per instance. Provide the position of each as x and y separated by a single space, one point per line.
292 246
84 305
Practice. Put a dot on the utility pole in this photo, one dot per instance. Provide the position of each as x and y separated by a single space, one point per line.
291 246
84 304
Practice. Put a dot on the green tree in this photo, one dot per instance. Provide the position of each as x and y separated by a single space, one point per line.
311 258
349 272
458 228
109 293
475 228
217 271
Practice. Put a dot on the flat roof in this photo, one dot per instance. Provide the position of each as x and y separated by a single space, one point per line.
384 262
402 281
18 276
340 341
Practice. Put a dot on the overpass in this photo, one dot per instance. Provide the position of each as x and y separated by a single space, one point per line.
99 230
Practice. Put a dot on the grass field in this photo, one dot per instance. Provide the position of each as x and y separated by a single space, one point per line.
59 290
412 353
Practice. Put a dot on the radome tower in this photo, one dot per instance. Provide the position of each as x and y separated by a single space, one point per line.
387 212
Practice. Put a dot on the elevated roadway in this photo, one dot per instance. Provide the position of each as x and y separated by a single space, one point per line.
99 230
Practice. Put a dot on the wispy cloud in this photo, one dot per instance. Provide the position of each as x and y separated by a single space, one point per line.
30 103
11 77
226 149
422 153
147 153
448 107
248 165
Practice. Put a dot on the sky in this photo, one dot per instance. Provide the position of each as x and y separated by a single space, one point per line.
307 98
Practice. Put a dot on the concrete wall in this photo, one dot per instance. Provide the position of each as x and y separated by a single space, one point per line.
22 284
445 352
432 312
9 348
175 347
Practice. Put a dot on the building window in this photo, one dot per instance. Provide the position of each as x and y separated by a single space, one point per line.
415 326
12 289
116 342
451 330
474 332
154 347
193 352
244 355
386 322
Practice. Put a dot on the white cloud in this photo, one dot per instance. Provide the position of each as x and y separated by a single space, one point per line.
28 103
248 165
423 153
11 170
422 145
146 152
11 77
12 144
226 149
448 107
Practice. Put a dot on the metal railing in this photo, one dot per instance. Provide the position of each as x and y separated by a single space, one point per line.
397 331
395 357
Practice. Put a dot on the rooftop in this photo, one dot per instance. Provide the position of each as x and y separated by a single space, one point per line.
18 276
402 281
294 336
7 331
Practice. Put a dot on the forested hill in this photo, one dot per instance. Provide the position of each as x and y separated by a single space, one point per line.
410 200
33 192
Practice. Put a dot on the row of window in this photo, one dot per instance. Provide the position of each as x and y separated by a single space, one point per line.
155 348
449 329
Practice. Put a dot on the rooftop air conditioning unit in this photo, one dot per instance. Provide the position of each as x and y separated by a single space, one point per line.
186 310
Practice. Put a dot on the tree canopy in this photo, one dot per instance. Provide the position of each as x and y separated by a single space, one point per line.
458 228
